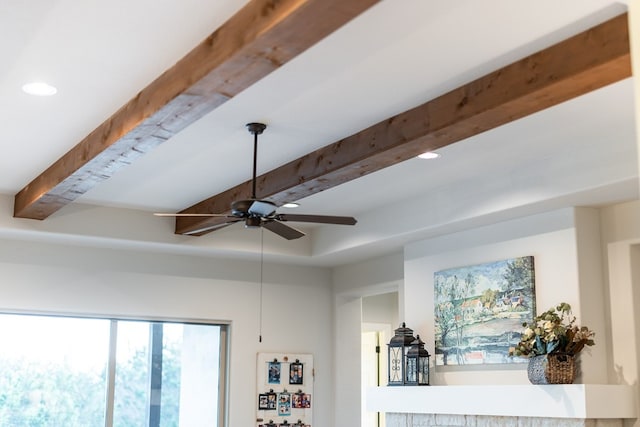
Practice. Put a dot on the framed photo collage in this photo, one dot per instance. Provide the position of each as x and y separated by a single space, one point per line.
285 390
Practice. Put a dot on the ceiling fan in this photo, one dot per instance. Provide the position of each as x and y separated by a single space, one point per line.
262 213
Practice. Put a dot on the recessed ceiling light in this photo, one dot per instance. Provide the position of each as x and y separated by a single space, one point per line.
39 89
429 155
290 205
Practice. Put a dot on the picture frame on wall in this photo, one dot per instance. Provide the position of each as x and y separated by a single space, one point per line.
479 311
301 401
263 401
306 401
296 373
284 404
267 401
296 400
273 372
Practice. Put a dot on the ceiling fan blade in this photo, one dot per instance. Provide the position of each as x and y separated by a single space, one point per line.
262 208
163 214
207 228
282 230
321 219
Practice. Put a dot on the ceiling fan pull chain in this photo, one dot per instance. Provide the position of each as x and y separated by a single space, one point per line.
261 283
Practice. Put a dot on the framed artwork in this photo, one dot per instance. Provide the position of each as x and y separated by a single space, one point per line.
284 404
479 311
306 401
296 373
273 372
301 401
267 401
263 401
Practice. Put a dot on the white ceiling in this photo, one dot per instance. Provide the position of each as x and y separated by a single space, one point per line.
397 55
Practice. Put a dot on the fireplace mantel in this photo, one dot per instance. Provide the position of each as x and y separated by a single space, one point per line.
546 401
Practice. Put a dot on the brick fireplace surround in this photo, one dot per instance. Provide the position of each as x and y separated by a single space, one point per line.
440 420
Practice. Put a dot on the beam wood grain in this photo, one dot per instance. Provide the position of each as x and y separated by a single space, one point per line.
588 61
260 38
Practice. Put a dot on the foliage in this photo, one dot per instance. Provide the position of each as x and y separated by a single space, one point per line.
47 394
488 297
554 331
518 275
36 393
518 285
451 292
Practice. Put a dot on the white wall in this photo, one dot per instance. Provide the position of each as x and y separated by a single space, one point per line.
381 308
620 236
80 280
351 283
371 277
621 247
554 249
594 309
347 376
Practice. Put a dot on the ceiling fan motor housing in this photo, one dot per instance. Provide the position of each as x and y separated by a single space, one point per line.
252 222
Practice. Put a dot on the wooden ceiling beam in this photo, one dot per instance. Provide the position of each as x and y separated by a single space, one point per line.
260 38
588 61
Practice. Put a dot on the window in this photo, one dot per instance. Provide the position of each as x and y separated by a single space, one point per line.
63 371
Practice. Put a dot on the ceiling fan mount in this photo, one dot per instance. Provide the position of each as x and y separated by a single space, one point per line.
262 213
256 128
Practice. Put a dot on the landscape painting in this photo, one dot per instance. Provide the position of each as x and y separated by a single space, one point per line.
479 311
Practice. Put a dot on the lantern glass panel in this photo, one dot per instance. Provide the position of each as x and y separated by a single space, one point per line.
424 371
412 369
395 365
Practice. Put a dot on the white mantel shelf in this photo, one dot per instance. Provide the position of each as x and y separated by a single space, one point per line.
548 401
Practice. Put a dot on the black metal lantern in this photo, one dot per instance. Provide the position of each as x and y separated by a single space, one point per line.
417 364
398 348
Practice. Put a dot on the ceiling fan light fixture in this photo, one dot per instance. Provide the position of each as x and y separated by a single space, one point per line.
291 205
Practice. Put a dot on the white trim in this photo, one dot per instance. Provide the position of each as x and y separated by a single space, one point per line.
111 373
580 401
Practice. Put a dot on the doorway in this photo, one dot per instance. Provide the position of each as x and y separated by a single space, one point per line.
373 372
379 314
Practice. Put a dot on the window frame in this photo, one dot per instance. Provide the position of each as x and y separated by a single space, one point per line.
224 352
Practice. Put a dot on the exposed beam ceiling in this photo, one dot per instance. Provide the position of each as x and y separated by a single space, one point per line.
261 37
576 66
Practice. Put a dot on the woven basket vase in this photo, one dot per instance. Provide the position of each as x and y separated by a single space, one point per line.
556 368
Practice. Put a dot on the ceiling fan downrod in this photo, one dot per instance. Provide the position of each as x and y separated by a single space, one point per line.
256 129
